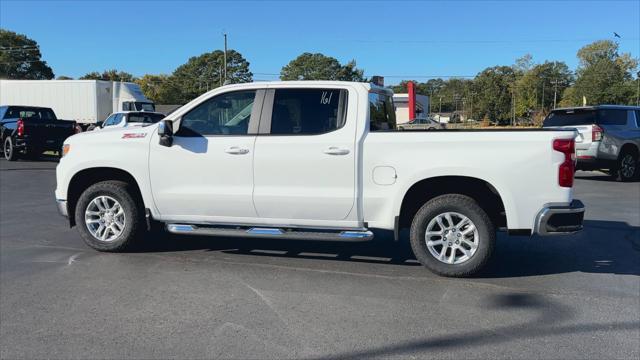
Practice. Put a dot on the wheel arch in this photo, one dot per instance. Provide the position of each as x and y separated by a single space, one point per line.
87 177
426 189
629 147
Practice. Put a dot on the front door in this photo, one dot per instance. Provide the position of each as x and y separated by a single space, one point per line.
207 174
304 162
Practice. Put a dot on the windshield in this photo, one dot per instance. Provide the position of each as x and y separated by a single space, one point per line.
145 118
571 117
142 106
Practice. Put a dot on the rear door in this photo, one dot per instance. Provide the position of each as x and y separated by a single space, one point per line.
304 162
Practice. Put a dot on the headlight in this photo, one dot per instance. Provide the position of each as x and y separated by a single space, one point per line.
65 149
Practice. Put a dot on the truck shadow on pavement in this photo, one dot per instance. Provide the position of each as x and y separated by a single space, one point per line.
602 247
548 319
601 177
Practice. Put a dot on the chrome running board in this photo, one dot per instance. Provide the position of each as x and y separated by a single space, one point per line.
274 233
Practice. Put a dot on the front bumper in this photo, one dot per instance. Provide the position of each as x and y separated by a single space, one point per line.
560 219
62 207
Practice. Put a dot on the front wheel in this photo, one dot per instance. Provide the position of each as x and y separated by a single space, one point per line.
108 216
10 152
452 235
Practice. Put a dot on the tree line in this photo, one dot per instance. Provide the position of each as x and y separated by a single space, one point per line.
501 93
527 89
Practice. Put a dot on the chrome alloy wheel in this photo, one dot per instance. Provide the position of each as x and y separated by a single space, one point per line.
104 218
452 238
628 166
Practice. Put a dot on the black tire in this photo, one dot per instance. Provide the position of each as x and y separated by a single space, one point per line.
134 224
463 205
623 172
9 149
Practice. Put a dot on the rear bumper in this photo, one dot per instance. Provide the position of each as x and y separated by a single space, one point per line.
560 219
62 207
27 144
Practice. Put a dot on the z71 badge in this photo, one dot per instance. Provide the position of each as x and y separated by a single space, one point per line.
134 135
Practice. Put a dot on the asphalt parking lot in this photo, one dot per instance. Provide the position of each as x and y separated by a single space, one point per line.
189 297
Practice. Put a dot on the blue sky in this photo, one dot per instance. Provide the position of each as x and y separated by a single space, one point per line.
392 38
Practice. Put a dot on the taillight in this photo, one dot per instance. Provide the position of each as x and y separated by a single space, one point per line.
20 127
596 133
567 168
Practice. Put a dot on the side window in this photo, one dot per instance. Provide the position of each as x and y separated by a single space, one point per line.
126 106
612 117
3 110
308 111
225 114
382 114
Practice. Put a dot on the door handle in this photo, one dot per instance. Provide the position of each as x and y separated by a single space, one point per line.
334 150
234 150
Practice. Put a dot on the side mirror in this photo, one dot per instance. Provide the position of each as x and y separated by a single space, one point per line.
165 131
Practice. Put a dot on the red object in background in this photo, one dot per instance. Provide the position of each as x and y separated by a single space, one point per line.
411 87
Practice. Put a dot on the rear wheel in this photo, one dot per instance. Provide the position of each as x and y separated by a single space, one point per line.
9 148
108 216
627 168
452 236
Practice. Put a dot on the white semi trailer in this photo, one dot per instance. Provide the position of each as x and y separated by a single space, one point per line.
85 101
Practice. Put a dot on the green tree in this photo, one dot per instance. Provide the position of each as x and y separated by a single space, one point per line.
536 88
603 77
159 88
493 89
20 58
110 75
205 72
63 77
317 66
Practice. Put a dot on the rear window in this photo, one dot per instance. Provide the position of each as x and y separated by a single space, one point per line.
382 114
16 112
586 117
145 118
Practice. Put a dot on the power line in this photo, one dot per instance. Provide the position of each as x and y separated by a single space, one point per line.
477 41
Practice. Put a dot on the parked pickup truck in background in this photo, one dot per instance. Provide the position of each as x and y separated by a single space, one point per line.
318 161
608 137
29 131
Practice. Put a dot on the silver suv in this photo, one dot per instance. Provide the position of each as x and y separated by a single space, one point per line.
608 137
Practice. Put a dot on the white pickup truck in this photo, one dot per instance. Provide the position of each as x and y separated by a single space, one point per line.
318 161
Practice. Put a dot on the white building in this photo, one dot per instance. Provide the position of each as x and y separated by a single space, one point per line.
402 104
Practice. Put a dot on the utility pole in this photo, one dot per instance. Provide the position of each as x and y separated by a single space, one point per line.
555 92
543 82
638 91
513 107
225 59
471 112
440 111
431 102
